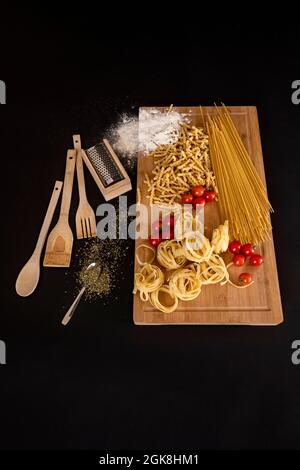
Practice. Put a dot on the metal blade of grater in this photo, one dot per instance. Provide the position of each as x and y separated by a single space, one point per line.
104 165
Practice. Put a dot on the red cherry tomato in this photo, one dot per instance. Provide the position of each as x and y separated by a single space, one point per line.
168 222
234 247
187 198
199 202
156 227
247 249
209 196
155 241
198 191
256 260
239 260
245 278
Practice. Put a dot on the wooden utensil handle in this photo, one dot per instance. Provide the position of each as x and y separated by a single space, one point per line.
48 217
68 183
77 141
79 167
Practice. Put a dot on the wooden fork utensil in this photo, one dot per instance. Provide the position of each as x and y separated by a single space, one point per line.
85 216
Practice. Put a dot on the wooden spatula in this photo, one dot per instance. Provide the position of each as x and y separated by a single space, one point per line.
30 274
60 241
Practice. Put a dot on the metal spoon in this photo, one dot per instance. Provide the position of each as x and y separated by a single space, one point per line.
72 309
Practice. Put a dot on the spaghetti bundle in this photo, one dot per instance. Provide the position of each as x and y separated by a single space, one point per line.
242 195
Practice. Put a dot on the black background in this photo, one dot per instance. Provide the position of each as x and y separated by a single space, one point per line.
103 383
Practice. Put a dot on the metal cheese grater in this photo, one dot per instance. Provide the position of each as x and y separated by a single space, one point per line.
107 170
104 165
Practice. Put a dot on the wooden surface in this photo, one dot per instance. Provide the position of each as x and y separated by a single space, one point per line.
60 241
258 305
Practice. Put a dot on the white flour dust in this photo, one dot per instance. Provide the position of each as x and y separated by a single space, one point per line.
151 129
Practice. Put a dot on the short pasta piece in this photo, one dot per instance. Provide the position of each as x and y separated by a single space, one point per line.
180 166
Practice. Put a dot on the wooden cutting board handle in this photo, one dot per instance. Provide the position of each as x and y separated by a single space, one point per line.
68 183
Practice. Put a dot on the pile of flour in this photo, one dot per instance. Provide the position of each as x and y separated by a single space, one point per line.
151 129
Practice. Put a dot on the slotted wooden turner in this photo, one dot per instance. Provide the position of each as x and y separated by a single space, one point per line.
85 216
60 241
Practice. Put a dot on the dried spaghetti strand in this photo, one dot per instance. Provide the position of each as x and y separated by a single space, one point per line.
242 196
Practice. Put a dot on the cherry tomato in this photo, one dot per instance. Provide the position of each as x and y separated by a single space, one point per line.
247 249
199 202
168 234
239 260
209 196
245 278
234 247
256 260
156 227
168 222
187 198
198 191
155 241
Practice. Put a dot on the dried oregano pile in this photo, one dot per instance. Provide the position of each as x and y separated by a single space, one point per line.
109 256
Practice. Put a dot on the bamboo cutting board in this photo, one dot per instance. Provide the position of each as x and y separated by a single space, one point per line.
259 304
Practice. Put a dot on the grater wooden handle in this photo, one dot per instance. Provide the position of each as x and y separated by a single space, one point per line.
68 183
79 168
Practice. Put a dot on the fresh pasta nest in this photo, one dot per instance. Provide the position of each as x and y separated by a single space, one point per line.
149 279
171 255
188 268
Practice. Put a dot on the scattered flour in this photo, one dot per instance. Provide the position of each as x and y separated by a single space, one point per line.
151 129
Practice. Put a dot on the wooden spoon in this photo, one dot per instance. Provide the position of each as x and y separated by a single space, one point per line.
29 275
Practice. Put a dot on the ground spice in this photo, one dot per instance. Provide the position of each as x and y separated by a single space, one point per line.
109 256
